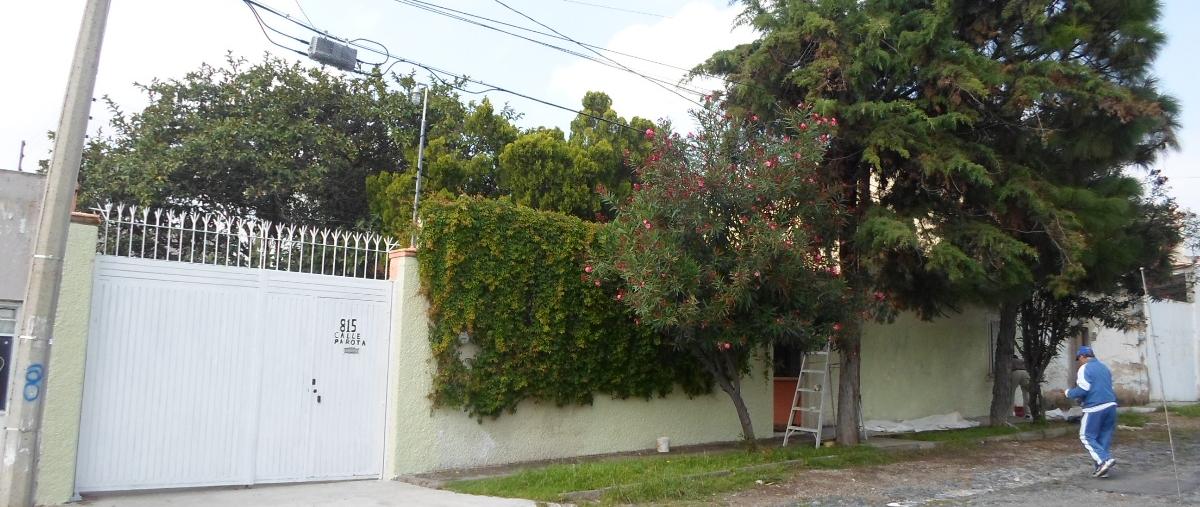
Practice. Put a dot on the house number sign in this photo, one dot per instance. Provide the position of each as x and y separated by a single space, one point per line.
347 334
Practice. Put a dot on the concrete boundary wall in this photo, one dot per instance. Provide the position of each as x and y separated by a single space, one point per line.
424 438
911 369
914 368
64 382
64 390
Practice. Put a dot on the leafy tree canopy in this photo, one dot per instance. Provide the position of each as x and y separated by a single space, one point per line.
726 245
273 139
541 168
284 142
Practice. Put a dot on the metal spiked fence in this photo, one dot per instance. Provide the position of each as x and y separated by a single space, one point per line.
222 240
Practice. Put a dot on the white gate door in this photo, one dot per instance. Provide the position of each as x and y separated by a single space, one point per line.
201 375
322 408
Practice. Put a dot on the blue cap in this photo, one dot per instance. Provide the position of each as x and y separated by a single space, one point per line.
1085 351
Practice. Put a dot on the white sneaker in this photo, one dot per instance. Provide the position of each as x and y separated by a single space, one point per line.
1103 470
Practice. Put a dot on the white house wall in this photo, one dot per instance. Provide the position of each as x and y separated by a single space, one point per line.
1136 364
1174 332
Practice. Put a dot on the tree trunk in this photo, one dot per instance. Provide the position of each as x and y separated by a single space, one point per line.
723 368
735 394
848 416
1002 388
1035 407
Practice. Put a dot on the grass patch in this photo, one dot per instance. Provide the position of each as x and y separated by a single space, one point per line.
1186 410
658 478
685 488
1133 419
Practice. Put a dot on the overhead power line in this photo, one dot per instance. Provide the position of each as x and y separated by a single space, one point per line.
612 8
597 53
264 26
443 10
464 17
255 6
458 15
305 14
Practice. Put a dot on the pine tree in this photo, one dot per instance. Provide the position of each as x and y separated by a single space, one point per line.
1135 236
967 131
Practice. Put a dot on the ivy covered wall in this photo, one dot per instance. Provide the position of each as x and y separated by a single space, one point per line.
515 316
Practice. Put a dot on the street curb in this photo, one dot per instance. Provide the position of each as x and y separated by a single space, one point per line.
1025 436
897 445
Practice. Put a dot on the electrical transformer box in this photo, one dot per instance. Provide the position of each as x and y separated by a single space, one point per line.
333 53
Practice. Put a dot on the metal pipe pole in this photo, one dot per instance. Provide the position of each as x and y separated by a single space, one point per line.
420 165
31 352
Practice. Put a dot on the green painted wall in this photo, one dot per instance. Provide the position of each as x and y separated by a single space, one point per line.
913 368
64 388
423 439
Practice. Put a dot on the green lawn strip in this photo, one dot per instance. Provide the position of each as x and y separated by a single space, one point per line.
695 476
1133 419
1186 410
653 477
669 489
693 487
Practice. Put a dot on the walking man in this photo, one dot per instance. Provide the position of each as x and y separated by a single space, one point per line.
1093 388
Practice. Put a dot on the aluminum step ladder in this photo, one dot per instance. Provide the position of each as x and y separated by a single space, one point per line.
814 365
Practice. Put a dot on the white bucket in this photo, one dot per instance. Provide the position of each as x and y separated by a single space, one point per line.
664 444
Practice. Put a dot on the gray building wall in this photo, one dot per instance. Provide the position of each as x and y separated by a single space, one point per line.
20 200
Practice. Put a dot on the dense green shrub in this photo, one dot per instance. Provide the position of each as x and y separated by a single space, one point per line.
515 316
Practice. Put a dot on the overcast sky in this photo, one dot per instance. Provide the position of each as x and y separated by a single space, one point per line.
146 39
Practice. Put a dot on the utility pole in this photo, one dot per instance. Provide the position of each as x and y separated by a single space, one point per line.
31 352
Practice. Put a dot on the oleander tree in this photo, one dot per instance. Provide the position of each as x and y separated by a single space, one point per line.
727 243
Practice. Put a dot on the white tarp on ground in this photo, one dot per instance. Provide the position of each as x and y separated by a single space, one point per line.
953 420
1058 414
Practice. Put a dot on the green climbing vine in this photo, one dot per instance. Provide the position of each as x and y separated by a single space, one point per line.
515 316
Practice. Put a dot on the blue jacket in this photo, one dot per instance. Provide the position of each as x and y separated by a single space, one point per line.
1093 385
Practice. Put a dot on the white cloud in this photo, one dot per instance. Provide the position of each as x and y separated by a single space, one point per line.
143 39
683 40
1180 168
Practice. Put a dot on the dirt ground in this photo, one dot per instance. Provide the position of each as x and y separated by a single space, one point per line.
1048 472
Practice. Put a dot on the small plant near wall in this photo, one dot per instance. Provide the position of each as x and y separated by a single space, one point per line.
727 243
514 317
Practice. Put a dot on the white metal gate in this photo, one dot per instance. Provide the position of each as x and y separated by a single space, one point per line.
203 375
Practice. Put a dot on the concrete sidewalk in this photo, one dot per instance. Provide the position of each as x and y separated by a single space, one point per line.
330 494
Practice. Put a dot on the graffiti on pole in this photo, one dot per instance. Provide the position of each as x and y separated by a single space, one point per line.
33 381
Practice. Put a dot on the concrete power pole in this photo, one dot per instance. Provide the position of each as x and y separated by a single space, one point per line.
31 352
